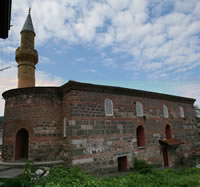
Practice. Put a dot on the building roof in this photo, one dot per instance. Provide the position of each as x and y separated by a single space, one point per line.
171 142
28 25
73 85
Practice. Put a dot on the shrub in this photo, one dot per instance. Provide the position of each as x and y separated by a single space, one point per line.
142 166
23 180
17 182
63 176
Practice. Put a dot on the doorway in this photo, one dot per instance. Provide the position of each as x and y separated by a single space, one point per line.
21 144
165 157
122 163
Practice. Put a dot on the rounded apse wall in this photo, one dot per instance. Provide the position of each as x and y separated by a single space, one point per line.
37 110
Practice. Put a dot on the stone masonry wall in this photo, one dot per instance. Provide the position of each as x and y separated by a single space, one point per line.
98 140
95 141
40 115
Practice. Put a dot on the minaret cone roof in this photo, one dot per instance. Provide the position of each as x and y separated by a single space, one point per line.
28 25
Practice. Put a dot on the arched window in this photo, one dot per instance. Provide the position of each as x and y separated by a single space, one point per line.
165 111
182 115
139 109
140 136
168 132
108 107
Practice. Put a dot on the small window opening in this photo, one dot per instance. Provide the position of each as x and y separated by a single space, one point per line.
139 109
182 115
165 111
108 106
168 132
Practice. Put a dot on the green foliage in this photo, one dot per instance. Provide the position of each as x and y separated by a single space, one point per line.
20 181
142 166
143 176
72 177
28 169
157 178
197 110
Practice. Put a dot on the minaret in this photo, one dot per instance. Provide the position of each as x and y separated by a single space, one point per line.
26 55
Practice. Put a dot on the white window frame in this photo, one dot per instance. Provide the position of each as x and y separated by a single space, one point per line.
182 114
108 107
165 111
139 109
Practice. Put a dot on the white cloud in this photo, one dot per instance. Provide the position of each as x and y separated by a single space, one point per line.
8 49
46 79
153 66
161 37
45 60
90 71
109 62
188 89
81 59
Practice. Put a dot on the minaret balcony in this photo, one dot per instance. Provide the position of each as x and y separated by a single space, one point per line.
26 54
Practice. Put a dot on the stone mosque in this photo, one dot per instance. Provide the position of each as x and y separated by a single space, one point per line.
99 128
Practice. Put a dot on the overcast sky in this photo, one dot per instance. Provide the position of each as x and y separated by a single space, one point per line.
149 45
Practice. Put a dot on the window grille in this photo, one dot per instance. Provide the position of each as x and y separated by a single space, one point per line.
139 109
165 111
108 106
182 115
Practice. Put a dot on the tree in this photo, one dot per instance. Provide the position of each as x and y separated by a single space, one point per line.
197 110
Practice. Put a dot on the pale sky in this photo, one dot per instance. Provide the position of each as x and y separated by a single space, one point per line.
149 45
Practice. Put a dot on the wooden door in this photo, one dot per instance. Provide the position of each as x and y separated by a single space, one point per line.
21 144
122 163
165 157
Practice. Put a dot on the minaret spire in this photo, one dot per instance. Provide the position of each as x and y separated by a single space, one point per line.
28 25
26 55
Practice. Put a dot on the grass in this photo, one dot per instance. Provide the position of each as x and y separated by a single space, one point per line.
142 175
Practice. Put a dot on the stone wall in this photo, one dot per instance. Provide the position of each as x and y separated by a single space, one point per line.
97 140
40 115
93 140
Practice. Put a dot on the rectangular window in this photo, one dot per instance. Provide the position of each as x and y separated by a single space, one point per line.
182 115
139 109
165 111
108 106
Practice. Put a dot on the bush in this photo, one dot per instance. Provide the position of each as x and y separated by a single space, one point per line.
142 166
144 176
17 182
23 180
63 176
